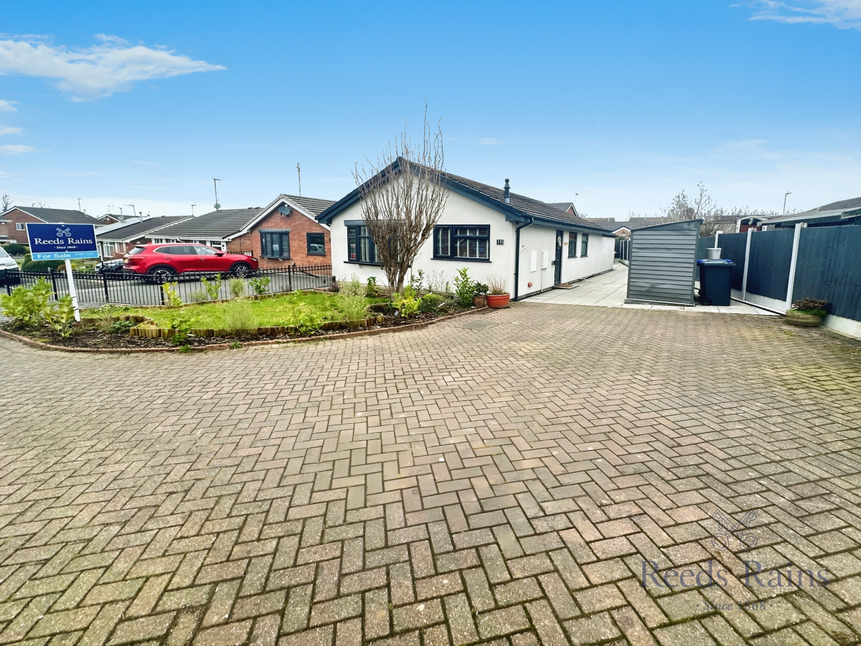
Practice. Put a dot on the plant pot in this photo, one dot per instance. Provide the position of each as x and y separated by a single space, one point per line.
479 301
713 253
498 301
802 319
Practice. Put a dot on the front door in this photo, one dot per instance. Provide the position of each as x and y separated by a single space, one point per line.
557 265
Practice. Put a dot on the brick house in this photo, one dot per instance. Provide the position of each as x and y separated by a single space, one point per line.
13 222
286 232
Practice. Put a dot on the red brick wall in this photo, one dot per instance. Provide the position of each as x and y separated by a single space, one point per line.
8 228
298 225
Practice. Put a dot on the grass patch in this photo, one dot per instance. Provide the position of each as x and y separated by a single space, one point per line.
287 309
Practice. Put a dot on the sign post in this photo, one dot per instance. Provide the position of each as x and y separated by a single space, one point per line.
63 242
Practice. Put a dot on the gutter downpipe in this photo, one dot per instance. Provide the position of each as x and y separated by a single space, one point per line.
517 256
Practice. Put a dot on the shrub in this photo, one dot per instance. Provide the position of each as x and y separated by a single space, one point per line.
60 316
430 302
213 289
26 305
260 285
497 285
239 317
171 294
417 280
181 323
811 306
407 304
28 264
371 291
198 296
480 289
121 327
351 300
237 287
16 249
437 282
464 287
308 323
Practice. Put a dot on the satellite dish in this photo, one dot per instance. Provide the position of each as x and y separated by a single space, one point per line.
217 206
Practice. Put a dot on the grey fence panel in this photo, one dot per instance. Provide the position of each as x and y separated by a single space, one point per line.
732 248
770 258
829 267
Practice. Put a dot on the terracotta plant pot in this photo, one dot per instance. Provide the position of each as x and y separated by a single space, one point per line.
479 301
498 301
802 319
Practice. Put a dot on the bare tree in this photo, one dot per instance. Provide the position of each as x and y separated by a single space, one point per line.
402 199
7 202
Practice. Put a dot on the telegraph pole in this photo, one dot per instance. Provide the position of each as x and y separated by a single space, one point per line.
215 185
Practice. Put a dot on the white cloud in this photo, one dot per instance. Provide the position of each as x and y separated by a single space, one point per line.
7 106
9 130
489 141
97 71
845 14
15 149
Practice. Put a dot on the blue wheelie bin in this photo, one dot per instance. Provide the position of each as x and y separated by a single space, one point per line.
715 281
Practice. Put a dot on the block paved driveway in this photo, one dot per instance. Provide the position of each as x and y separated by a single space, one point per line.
498 478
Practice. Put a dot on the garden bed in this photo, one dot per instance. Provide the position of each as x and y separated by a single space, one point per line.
149 327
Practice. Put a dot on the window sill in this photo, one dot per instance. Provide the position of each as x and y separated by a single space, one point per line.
461 259
359 262
276 258
321 255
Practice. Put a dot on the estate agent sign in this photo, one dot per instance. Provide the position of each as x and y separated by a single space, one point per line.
62 241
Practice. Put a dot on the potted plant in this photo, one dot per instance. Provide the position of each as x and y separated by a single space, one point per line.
497 295
479 295
807 312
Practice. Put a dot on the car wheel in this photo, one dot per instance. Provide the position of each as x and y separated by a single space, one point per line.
161 275
241 270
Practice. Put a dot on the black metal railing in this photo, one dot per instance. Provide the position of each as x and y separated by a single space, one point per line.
123 288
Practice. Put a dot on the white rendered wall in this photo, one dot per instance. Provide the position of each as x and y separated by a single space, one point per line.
458 210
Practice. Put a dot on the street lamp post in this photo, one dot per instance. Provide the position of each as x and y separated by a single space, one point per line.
784 201
215 185
192 209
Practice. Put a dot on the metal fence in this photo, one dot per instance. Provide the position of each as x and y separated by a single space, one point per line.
623 250
96 289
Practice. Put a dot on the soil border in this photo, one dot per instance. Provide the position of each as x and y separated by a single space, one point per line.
245 344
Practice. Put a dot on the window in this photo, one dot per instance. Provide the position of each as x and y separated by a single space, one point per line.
19 226
584 245
177 250
572 244
316 244
200 250
360 247
461 242
275 244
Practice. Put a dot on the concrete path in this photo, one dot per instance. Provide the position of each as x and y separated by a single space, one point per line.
610 289
537 475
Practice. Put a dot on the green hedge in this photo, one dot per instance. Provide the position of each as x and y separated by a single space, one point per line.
40 265
15 249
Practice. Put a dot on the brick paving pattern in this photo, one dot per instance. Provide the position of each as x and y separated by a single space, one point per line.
495 479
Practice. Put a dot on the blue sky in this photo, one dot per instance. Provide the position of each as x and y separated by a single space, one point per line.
616 105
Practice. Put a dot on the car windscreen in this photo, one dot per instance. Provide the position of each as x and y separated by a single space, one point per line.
136 251
3 253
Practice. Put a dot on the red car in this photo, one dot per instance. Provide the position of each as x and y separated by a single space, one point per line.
162 262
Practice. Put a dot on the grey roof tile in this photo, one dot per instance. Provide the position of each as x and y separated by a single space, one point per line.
217 224
58 216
